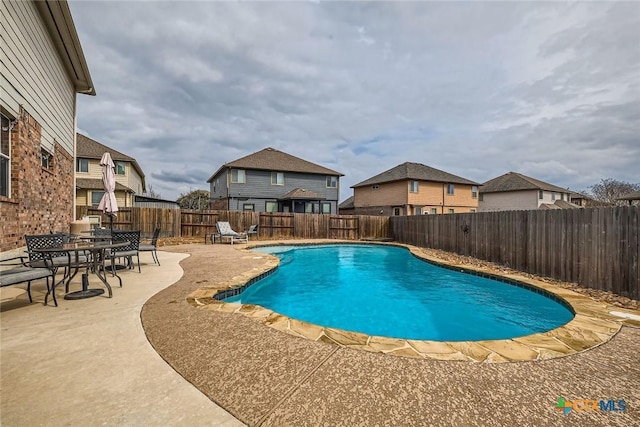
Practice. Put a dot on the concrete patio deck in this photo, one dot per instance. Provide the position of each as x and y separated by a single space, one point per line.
88 362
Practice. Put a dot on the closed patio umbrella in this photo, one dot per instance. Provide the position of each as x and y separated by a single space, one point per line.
108 203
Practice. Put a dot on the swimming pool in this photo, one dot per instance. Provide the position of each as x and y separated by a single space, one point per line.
384 290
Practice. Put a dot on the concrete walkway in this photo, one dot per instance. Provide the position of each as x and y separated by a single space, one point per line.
88 362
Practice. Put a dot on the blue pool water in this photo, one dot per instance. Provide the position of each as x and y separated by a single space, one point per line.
386 291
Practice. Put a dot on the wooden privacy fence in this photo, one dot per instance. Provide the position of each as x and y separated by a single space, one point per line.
279 225
275 225
595 247
143 219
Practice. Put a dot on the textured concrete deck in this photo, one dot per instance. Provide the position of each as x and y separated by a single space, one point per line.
265 376
88 362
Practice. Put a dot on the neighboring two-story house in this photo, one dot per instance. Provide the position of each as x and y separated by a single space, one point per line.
273 181
413 189
89 189
42 69
514 191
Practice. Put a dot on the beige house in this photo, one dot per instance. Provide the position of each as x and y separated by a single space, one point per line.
514 191
42 70
129 176
412 189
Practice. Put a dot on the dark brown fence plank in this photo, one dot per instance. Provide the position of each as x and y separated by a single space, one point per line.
596 247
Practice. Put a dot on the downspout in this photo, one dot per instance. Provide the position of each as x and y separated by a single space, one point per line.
443 185
228 183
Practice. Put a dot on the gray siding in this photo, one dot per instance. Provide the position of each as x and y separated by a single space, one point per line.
218 186
258 188
33 75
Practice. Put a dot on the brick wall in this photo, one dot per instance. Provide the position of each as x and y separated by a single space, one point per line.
41 199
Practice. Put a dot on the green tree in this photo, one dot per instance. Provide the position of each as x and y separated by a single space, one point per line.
609 190
195 199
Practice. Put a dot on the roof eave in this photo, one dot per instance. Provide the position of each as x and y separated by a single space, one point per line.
59 23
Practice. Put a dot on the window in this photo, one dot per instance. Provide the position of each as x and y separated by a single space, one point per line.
332 182
46 159
396 211
553 196
5 157
326 208
417 210
248 207
310 207
451 210
540 194
96 196
277 178
120 168
472 211
451 189
237 176
481 197
474 191
413 186
434 211
82 165
271 206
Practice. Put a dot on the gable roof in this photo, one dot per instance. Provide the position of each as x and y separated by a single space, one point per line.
634 195
559 204
96 184
513 181
301 193
275 160
349 203
88 148
415 171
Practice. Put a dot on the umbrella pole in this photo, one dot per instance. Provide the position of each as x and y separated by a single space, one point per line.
111 222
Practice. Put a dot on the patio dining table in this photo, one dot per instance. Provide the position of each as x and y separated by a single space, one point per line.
94 252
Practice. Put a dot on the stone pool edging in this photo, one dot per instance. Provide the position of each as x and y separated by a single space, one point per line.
591 326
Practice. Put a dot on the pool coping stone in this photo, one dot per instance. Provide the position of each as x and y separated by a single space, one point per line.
591 326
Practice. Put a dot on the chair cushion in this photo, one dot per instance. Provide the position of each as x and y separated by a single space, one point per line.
58 261
147 248
8 278
124 253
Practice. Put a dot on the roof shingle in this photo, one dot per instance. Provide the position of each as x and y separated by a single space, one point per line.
88 148
275 160
513 181
415 171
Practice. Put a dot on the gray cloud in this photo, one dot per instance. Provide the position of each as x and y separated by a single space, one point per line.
474 88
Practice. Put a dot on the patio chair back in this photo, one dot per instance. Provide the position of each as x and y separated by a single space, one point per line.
43 241
130 250
156 234
225 230
152 247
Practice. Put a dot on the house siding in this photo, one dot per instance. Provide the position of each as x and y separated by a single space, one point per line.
131 179
258 189
33 75
517 200
387 194
430 195
509 200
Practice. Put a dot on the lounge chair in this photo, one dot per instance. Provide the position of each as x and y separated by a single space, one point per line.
226 232
152 247
252 230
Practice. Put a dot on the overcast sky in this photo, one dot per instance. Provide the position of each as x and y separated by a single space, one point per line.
478 89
